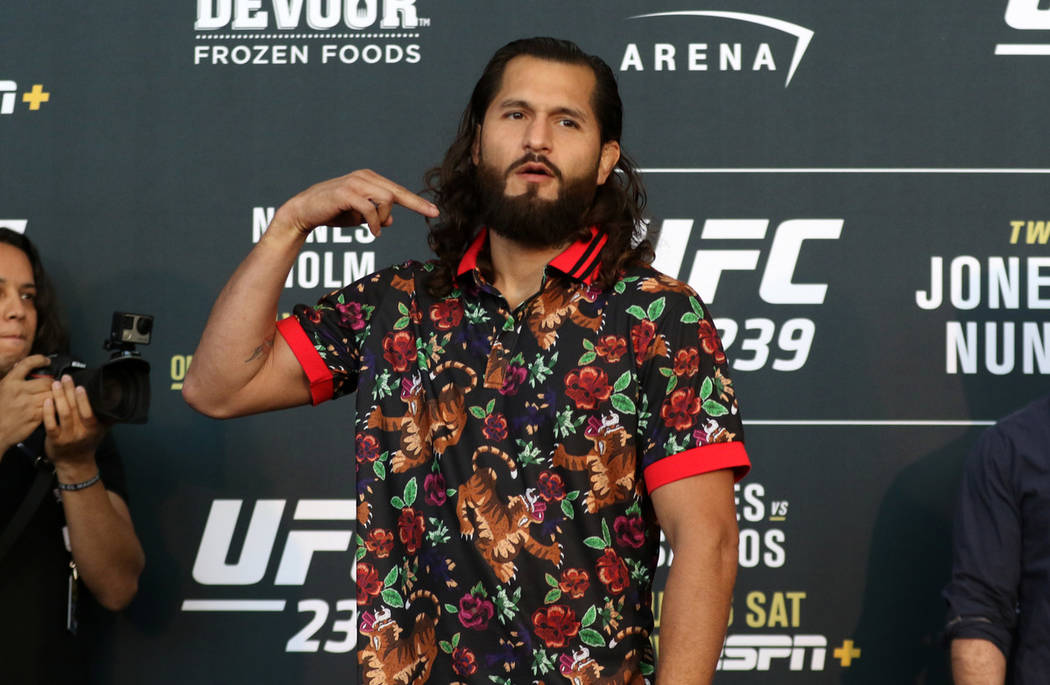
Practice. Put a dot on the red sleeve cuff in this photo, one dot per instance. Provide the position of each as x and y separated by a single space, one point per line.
693 462
317 372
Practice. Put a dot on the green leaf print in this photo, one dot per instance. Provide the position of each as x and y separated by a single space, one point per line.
706 388
410 492
595 543
713 408
623 403
656 309
392 598
636 311
592 638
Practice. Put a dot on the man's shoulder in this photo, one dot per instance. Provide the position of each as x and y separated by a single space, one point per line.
402 277
644 285
1031 420
1019 438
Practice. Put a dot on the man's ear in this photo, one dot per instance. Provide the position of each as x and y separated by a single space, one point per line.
608 159
475 146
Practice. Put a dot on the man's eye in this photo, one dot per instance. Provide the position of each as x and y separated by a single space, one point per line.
515 115
29 297
569 123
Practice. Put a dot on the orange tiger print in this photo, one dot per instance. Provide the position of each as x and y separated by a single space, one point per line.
610 463
427 425
393 659
502 528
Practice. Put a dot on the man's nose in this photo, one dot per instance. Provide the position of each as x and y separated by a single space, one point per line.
538 136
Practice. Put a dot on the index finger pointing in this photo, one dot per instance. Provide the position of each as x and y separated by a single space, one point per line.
406 198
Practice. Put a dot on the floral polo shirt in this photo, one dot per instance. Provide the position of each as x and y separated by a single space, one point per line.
505 532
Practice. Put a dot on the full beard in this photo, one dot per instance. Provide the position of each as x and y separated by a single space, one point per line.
528 219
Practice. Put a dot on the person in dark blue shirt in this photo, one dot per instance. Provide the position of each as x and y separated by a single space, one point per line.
999 594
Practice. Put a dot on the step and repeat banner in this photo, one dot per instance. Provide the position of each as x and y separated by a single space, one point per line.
858 190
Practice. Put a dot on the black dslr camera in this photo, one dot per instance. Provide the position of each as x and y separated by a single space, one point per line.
118 390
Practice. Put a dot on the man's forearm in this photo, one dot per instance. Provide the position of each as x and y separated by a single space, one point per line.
241 328
695 610
977 662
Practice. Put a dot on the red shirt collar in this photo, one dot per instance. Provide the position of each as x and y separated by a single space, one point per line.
579 260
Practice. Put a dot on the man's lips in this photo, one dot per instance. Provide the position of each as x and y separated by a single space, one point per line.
534 172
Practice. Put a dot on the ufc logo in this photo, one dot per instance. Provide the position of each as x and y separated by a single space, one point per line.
777 286
1027 15
211 567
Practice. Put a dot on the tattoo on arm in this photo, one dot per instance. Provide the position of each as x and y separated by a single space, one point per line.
260 350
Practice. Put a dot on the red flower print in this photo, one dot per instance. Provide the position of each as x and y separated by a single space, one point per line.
410 529
446 314
350 315
512 378
587 387
368 585
611 348
642 336
313 315
574 582
680 408
687 362
710 341
630 531
434 487
464 662
380 541
495 427
367 448
475 612
551 486
399 348
613 572
555 625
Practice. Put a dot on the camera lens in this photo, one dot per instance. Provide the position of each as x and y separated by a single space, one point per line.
144 325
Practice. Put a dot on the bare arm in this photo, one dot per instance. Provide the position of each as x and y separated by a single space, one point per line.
241 365
102 538
977 662
698 517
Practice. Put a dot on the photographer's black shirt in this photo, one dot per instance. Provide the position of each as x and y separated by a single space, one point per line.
35 646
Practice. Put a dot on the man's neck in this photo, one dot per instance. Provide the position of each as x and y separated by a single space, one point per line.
518 270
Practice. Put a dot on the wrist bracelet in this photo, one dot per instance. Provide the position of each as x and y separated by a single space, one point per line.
79 486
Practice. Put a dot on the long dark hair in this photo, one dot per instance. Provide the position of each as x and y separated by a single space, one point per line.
51 333
619 203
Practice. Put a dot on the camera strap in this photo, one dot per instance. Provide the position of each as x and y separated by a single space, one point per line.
37 491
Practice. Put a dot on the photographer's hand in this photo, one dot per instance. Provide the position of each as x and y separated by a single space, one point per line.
73 432
21 401
101 534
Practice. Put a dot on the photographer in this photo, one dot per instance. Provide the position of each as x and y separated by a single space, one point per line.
64 522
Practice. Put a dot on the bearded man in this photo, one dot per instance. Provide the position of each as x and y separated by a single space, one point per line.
539 402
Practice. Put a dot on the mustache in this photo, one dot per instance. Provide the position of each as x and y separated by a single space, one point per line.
533 158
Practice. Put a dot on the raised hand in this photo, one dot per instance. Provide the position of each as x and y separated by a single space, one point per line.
362 196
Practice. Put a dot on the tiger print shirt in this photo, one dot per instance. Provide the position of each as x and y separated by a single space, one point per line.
505 531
